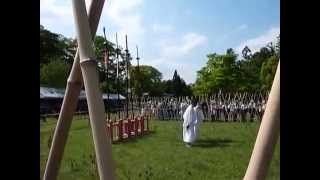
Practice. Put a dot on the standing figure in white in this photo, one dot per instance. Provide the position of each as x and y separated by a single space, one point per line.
199 118
190 123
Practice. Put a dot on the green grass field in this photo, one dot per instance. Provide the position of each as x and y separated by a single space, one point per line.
222 152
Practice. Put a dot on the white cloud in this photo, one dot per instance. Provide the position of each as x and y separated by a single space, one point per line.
161 28
157 61
126 17
256 43
184 45
173 55
234 32
242 27
54 14
167 66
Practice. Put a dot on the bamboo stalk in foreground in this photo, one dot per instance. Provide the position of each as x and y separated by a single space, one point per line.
70 101
96 108
267 135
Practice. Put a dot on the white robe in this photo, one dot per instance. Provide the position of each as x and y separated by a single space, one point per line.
183 107
199 119
191 118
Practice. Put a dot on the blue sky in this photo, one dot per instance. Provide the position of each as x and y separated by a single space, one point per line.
176 34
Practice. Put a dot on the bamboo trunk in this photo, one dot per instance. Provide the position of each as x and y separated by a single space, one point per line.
61 131
96 108
69 104
267 136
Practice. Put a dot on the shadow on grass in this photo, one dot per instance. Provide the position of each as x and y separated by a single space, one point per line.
210 143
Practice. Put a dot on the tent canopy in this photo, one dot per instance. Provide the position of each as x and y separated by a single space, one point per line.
54 93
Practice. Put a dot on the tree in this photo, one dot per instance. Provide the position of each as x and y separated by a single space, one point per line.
248 79
253 73
188 90
220 73
246 53
54 47
54 74
176 84
168 86
111 85
278 46
249 69
268 71
148 80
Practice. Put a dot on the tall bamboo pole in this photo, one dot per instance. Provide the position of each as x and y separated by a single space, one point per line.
106 63
267 135
117 53
132 101
138 79
96 108
73 88
127 78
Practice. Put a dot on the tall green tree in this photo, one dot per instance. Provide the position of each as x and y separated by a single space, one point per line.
146 80
277 47
250 69
109 81
220 73
252 73
268 71
54 47
178 86
54 74
246 53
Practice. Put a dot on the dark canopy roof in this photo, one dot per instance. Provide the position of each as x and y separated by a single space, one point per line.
54 93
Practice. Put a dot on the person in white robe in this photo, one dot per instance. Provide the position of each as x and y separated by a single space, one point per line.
190 124
183 107
199 119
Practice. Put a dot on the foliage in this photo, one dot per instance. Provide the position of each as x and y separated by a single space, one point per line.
54 47
219 74
225 72
268 71
57 50
108 79
277 47
146 79
251 74
54 74
179 87
176 86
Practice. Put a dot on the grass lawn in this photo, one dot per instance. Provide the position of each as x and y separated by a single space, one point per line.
222 151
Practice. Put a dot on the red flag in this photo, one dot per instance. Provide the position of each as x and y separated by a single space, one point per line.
106 57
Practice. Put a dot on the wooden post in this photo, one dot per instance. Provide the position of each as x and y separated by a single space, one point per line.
70 101
267 135
142 125
147 125
120 129
96 108
136 125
